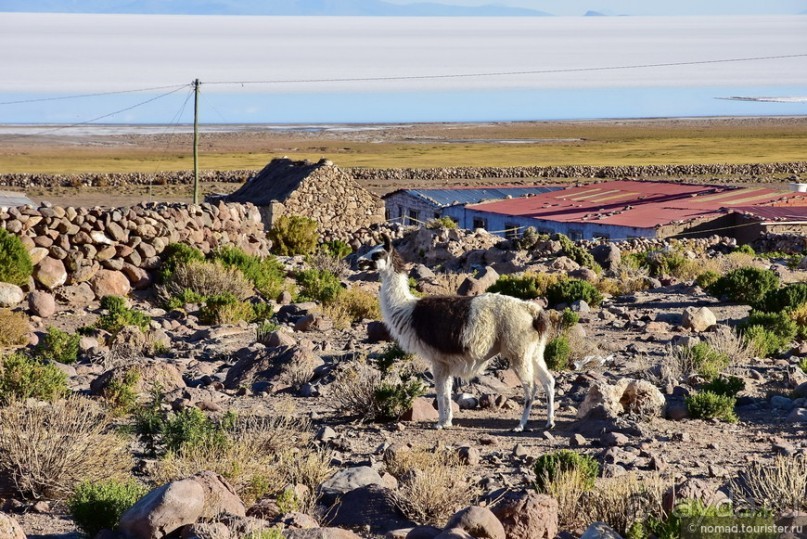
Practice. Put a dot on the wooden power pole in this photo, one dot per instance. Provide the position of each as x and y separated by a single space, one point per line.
196 85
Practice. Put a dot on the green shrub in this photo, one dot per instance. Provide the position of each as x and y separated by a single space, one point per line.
442 222
769 333
149 422
15 263
725 386
185 297
294 235
577 253
745 249
191 427
803 364
789 297
526 286
336 249
120 394
176 254
706 279
318 285
23 377
391 355
550 465
568 318
266 274
225 309
570 290
557 353
119 316
709 405
58 345
395 398
707 361
748 285
95 506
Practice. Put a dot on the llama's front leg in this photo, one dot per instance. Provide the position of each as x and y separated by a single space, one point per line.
443 383
548 382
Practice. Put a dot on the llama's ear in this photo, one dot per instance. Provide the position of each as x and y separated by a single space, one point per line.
387 242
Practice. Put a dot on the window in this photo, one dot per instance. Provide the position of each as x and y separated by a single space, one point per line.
414 217
602 236
480 222
437 215
575 235
510 231
400 211
545 231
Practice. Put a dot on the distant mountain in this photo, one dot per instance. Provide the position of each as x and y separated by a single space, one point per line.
261 7
594 14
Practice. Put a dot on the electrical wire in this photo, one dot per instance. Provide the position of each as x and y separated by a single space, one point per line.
98 94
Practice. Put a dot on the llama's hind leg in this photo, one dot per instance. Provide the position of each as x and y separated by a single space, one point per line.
548 381
530 388
524 370
443 382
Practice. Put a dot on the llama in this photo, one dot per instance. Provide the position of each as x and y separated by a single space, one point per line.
459 335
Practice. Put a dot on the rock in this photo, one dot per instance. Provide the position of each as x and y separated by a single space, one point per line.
479 522
10 528
479 283
42 303
423 532
372 506
607 255
454 533
600 402
276 368
313 322
349 479
604 401
600 530
611 439
164 510
110 283
220 497
11 295
320 533
781 403
691 489
151 373
421 410
420 272
580 306
50 273
206 530
578 440
642 398
798 415
528 515
298 520
468 455
377 332
698 319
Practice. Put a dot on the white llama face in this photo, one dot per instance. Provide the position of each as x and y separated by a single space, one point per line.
377 259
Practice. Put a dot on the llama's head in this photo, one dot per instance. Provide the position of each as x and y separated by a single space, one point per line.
381 257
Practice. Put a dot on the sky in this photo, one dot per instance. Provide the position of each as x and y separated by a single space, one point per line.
643 7
400 69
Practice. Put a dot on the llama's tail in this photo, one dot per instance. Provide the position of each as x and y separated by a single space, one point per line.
541 320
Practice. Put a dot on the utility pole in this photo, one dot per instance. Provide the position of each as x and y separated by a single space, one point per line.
196 85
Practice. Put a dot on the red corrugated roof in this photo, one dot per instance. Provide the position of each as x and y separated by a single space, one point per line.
636 204
774 213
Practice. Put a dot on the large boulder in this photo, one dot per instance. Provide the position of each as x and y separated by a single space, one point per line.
479 283
220 496
479 522
320 533
280 367
528 515
150 374
50 273
110 283
10 528
605 401
42 303
350 479
698 319
373 506
164 510
607 255
11 295
600 530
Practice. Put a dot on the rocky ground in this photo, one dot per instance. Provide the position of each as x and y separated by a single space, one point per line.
628 337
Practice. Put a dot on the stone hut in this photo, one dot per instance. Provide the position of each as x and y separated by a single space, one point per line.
320 191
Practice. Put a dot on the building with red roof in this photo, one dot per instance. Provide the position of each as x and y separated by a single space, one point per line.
619 210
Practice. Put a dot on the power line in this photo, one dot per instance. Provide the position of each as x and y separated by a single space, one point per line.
509 73
98 94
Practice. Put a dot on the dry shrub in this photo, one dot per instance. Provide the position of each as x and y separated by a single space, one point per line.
621 501
354 388
733 261
206 279
260 456
568 487
15 328
326 262
779 486
726 341
433 484
352 306
631 279
49 448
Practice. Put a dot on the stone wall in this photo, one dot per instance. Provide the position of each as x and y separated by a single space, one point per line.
98 247
713 173
338 204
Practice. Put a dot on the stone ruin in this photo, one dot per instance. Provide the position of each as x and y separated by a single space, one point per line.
320 191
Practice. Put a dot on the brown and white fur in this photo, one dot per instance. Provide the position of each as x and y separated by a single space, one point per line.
459 335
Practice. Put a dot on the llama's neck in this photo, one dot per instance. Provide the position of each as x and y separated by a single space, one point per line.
395 294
